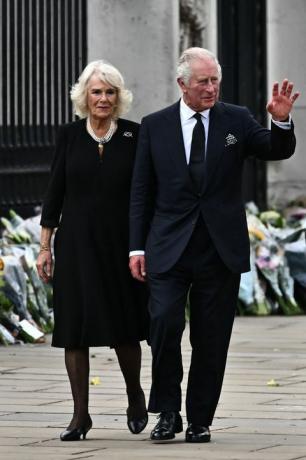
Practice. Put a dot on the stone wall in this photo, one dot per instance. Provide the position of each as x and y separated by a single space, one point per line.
141 38
286 59
144 38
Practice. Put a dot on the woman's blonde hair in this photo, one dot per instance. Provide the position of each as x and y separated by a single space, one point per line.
107 74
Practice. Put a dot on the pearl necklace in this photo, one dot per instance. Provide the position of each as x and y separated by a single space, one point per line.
104 139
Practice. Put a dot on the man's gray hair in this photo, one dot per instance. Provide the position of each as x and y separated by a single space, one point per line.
108 74
191 54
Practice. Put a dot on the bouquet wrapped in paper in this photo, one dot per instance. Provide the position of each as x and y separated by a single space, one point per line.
25 301
268 235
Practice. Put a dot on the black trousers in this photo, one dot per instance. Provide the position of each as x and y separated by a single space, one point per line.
213 291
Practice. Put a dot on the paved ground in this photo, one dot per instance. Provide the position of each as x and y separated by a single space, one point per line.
254 420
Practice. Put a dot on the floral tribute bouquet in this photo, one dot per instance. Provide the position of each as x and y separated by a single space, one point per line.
25 302
277 281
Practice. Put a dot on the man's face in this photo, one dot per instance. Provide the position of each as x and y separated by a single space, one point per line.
202 90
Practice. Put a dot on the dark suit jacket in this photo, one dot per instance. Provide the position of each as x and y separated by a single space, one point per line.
164 203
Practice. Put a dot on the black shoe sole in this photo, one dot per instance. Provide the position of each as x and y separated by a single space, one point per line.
199 440
162 441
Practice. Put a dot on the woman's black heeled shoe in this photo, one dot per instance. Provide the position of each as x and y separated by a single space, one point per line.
137 416
137 425
77 433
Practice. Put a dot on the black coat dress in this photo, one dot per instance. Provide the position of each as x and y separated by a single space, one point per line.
96 300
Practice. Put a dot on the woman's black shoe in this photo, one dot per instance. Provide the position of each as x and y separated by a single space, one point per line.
137 415
136 426
76 433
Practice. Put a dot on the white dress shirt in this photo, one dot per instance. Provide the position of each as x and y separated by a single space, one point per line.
188 122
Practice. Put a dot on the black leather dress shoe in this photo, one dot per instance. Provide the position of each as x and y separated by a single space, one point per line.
76 433
169 423
197 433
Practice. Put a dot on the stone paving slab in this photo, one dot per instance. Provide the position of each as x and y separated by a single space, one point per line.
253 421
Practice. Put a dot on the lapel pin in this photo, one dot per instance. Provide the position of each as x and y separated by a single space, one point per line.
128 134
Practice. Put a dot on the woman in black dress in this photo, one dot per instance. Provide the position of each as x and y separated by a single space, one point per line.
96 300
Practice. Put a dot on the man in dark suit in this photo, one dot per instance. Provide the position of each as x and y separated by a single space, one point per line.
188 232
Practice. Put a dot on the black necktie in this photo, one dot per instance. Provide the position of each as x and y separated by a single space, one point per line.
197 153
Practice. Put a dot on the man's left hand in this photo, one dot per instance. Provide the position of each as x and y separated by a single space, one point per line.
282 101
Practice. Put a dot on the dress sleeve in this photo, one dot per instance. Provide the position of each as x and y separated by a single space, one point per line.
54 197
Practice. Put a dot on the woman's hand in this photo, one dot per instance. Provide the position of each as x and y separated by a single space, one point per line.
44 265
44 261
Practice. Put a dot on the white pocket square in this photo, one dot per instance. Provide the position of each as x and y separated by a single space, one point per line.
230 139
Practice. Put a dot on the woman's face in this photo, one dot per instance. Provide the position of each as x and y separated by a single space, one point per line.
101 99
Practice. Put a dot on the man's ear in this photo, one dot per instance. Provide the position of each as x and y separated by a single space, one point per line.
181 84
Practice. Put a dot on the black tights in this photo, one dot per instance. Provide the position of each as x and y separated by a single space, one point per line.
77 365
129 357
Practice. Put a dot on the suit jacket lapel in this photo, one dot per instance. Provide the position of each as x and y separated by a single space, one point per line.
176 146
215 142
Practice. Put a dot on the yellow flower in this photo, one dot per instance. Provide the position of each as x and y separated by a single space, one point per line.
272 383
256 232
95 381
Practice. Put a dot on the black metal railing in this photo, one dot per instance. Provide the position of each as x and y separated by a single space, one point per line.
43 51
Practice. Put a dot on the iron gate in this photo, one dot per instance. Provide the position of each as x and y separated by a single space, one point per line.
242 54
42 52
